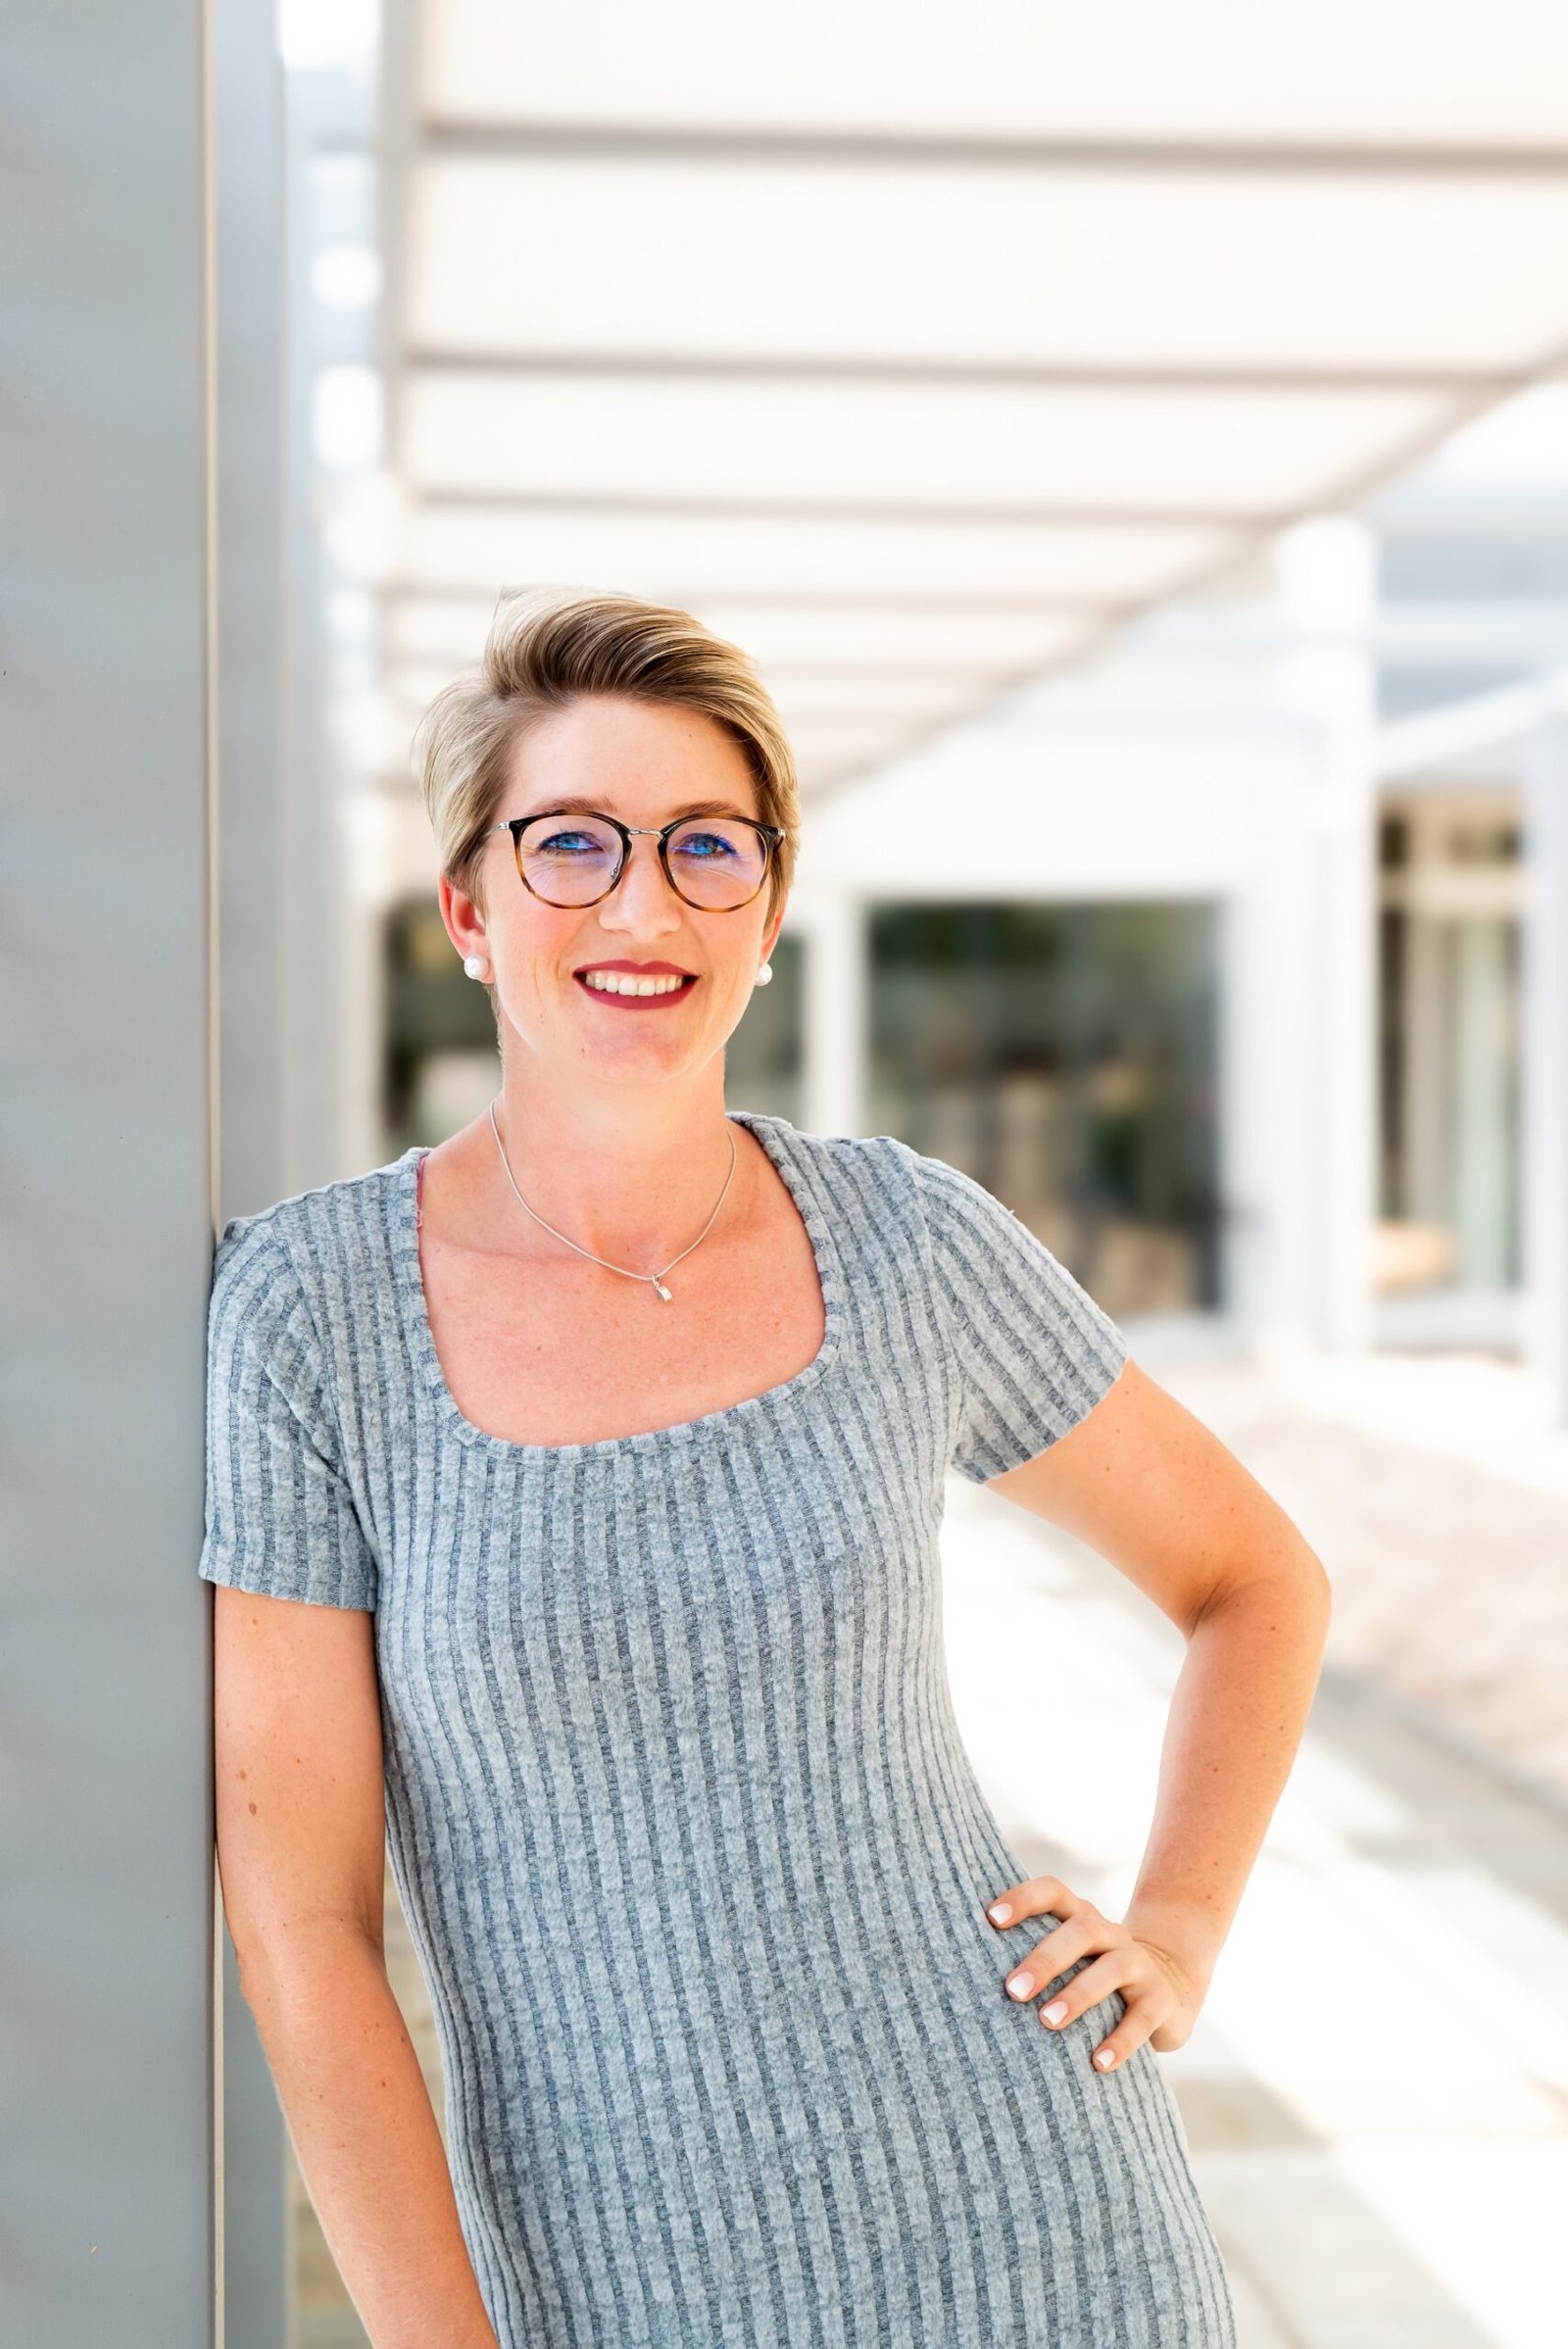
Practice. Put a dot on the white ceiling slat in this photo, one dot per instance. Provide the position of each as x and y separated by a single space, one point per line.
919 377
1238 453
807 697
1394 72
821 636
1298 274
678 559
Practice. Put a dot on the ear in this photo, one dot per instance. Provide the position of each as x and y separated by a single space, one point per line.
776 925
465 923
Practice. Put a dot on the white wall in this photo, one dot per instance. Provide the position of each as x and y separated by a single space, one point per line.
1111 809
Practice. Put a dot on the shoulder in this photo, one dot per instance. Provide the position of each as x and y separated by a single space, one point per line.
875 1174
957 1207
295 1234
981 1253
876 1168
853 1175
278 1274
847 1157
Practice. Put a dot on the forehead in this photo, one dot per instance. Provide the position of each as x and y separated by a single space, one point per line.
640 761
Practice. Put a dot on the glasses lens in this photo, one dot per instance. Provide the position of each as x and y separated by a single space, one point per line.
569 859
716 863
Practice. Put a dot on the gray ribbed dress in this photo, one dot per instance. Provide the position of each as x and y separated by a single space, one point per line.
692 1856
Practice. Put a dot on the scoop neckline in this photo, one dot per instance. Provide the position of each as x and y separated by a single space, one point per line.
770 1131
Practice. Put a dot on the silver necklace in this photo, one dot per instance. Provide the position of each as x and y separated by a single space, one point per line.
657 1278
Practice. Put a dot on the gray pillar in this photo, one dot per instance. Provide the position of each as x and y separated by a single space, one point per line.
255 2216
107 1161
252 449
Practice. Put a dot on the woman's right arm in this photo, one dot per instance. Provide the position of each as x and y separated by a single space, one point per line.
301 1854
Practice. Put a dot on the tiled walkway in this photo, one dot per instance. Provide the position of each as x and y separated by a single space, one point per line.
1376 2096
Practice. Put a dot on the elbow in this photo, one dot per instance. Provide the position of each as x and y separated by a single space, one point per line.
1299 1582
1311 1576
297 1965
251 1972
1325 1589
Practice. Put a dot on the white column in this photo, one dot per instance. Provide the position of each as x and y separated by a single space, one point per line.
1427 1125
1545 1075
1268 1013
1483 1011
331 127
836 1042
1326 571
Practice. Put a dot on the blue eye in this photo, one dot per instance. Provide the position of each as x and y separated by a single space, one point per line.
711 845
555 843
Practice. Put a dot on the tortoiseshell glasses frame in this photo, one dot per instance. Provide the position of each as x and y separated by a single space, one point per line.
771 836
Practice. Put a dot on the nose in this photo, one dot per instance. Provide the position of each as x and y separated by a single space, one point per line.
641 901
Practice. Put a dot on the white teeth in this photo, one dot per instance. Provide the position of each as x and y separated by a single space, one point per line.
625 982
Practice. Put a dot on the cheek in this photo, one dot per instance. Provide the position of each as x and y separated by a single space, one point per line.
730 984
541 952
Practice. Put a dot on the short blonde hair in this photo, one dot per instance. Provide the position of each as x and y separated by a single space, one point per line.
544 651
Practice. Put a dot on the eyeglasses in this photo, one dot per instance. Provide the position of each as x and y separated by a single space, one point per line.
714 862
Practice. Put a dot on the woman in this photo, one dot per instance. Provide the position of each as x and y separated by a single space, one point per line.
605 1445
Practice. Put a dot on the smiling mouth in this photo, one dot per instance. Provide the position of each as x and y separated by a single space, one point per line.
627 987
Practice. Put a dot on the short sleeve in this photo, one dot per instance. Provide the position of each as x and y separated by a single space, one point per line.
280 1519
1030 1350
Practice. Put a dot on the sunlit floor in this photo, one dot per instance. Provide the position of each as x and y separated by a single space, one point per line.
1435 1486
1376 2096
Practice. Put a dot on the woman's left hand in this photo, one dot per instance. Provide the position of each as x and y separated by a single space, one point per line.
1162 1994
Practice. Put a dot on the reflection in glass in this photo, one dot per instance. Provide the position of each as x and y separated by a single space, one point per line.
1065 1055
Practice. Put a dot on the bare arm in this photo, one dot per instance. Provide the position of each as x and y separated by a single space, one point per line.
300 1843
1155 1492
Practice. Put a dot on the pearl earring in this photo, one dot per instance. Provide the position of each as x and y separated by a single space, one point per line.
474 964
764 975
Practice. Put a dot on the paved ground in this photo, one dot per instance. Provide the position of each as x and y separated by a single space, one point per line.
1376 2096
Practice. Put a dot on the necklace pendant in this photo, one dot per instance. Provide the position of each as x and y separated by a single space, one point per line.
660 1286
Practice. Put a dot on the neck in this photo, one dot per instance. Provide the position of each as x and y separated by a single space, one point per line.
632 1183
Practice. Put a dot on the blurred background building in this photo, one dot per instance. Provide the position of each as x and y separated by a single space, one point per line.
1135 448
1154 542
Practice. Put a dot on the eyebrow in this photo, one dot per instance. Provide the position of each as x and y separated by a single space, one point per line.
576 805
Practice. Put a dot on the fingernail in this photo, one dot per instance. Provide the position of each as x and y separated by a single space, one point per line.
999 1912
1020 1985
1104 2057
1055 2010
